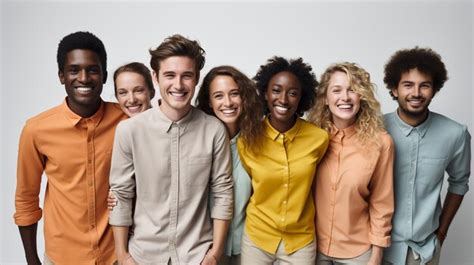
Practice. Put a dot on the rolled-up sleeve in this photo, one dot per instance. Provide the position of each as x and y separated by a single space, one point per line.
122 177
381 204
459 168
30 167
221 179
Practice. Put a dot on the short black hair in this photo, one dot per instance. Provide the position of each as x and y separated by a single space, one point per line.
82 40
425 60
301 70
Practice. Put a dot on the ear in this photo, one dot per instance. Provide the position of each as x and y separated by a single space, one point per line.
394 92
61 77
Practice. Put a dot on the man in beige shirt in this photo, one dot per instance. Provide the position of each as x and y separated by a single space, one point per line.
165 162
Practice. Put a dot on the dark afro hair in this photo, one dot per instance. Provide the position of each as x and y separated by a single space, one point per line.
301 70
84 41
425 60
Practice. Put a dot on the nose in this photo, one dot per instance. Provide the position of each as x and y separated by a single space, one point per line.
83 76
177 82
416 91
227 101
283 98
345 95
131 98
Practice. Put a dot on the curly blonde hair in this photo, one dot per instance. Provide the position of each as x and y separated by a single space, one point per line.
369 118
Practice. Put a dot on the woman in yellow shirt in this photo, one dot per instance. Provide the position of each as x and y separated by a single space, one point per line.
279 225
354 181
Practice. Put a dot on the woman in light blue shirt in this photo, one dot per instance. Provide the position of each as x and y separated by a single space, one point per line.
229 95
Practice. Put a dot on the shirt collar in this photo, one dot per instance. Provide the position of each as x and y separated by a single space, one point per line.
290 134
407 129
165 124
75 118
233 141
346 132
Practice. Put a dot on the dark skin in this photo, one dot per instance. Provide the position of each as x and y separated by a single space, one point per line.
83 78
450 208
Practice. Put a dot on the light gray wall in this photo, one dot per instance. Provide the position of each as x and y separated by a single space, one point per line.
240 34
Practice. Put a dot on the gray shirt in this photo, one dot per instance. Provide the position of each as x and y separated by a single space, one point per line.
169 168
423 154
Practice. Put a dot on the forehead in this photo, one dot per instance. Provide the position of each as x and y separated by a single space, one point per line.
178 64
414 75
338 78
81 57
129 78
285 78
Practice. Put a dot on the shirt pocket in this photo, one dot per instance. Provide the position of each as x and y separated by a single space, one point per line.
431 170
198 170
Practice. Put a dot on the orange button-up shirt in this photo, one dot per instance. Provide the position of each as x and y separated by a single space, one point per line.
74 153
354 194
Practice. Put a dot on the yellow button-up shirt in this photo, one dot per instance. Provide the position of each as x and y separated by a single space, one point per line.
282 172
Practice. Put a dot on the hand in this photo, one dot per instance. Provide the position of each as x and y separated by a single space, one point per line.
209 259
111 201
376 256
127 260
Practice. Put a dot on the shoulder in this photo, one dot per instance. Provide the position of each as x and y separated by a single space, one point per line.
312 129
43 118
385 140
446 123
112 109
210 122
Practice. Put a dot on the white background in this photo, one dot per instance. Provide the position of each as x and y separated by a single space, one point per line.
241 34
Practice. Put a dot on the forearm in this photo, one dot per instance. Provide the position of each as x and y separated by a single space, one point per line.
121 241
28 237
220 229
450 208
376 256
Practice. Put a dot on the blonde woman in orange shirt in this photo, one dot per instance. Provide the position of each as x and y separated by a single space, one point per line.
354 181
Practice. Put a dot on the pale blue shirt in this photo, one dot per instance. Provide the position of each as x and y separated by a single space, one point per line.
423 154
242 192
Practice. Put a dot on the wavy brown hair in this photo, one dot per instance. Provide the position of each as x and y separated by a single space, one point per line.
250 120
369 118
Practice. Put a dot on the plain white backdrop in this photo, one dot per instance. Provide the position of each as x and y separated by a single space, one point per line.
242 34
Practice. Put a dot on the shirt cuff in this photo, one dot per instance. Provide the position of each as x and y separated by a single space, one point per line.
459 189
380 241
26 219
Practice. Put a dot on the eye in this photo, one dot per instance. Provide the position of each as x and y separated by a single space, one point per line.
276 90
218 96
293 93
188 76
235 93
73 70
122 93
93 70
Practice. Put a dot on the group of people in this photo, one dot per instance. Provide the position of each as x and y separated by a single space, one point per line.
242 177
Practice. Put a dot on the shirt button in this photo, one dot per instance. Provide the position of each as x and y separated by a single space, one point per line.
333 187
282 219
285 185
284 202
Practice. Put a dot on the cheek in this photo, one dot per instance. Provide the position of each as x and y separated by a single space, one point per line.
214 104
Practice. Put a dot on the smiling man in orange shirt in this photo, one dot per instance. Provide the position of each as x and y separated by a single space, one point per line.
72 144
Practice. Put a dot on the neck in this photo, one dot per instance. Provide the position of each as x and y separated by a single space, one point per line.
84 111
232 129
412 119
282 126
342 124
173 114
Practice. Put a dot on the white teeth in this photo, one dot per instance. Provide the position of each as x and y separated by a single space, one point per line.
228 111
84 89
134 108
344 106
281 109
178 94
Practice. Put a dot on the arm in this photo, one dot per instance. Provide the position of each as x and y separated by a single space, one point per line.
122 187
28 238
381 202
450 207
218 241
29 171
222 192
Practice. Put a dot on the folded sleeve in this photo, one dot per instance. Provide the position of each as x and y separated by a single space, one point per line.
459 168
30 167
381 202
122 177
221 178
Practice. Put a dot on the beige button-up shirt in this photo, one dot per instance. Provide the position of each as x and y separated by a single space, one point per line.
170 168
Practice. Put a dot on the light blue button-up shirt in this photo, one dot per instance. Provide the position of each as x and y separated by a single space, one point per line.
423 154
242 192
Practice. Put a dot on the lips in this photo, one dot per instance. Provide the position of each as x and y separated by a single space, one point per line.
415 102
229 111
